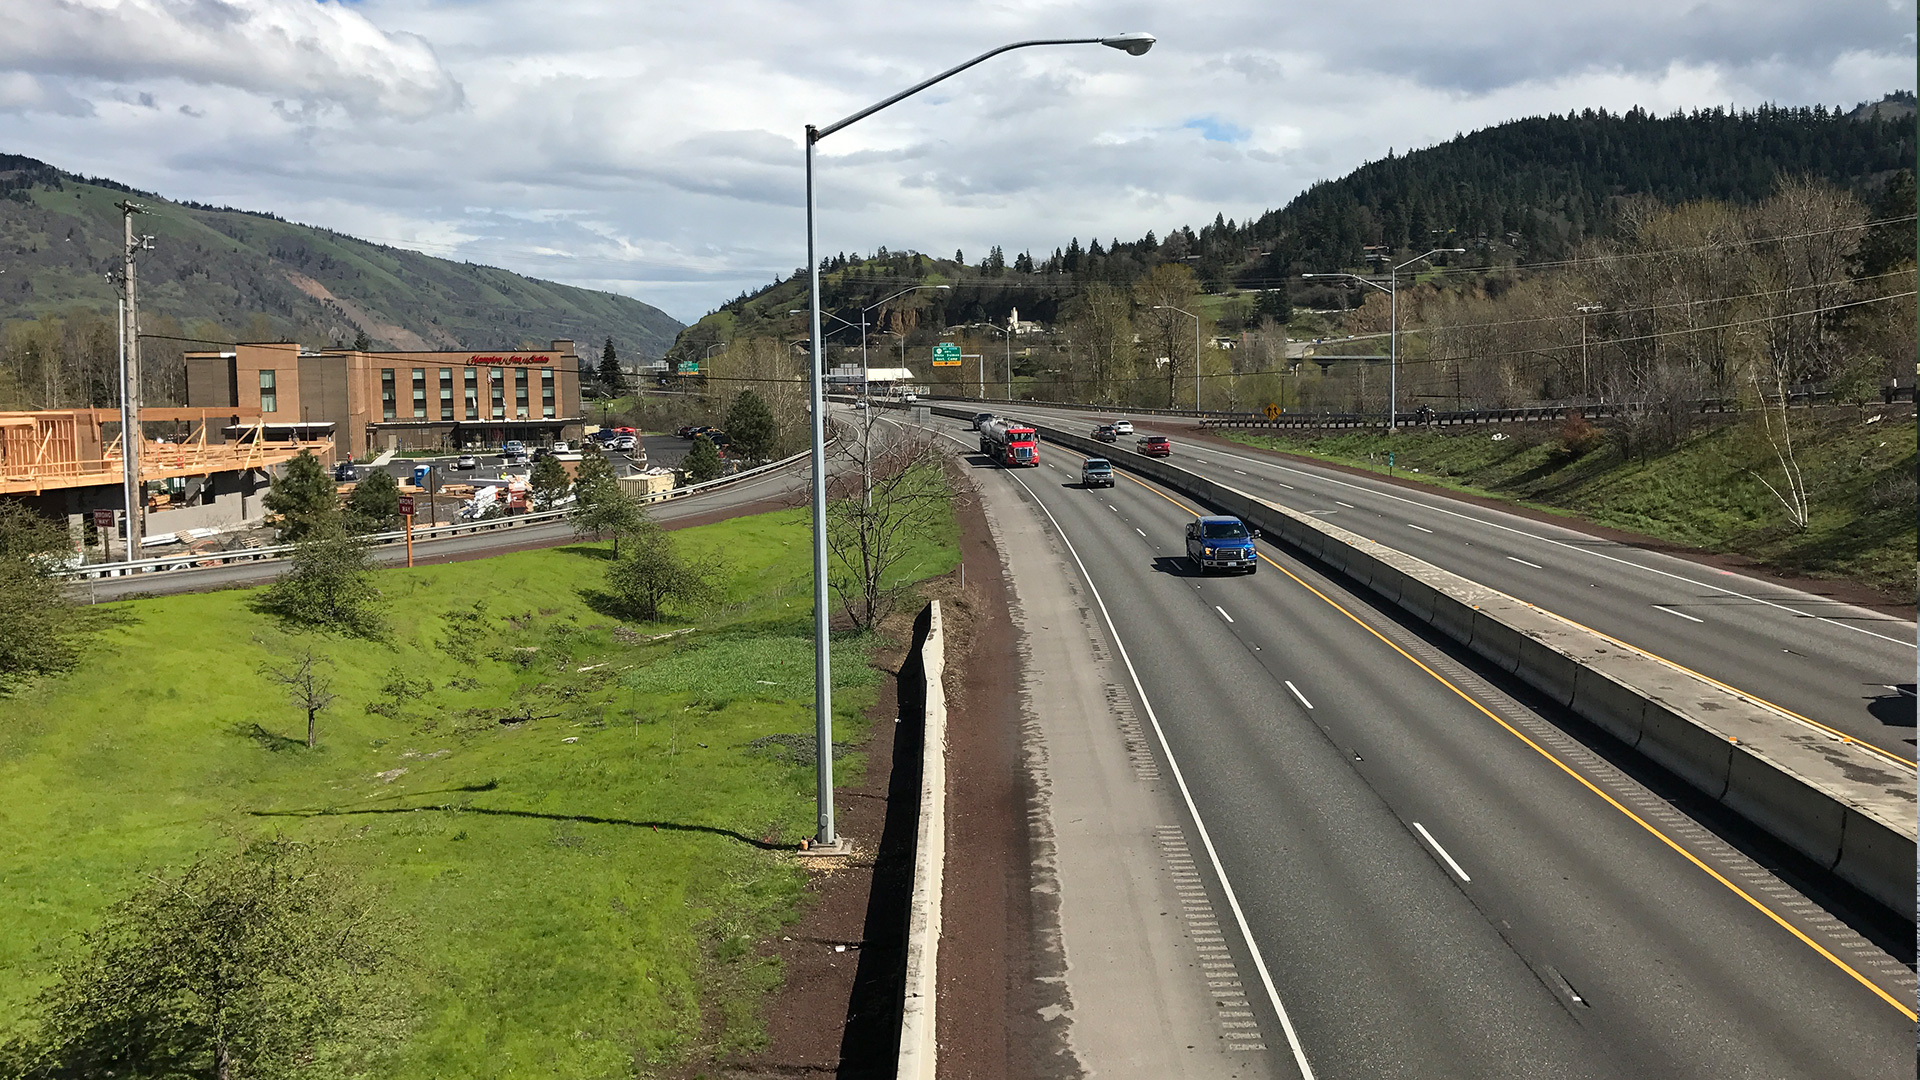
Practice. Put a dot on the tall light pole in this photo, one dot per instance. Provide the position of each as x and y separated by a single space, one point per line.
1005 332
1393 323
866 389
1134 44
1196 352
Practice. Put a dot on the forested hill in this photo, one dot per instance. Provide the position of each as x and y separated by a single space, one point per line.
230 273
1543 184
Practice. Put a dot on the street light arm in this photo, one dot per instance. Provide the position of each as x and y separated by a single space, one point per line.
902 292
1134 44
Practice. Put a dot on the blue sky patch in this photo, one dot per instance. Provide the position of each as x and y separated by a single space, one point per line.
1214 129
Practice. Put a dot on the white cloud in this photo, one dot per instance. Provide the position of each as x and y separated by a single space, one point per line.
315 52
655 148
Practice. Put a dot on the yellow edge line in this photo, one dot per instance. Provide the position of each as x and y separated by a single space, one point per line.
1899 1005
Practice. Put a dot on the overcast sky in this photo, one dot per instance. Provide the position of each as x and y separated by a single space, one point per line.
654 148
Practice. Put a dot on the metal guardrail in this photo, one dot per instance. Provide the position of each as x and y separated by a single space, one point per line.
207 559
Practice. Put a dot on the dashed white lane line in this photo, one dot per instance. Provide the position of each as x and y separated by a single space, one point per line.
1223 612
1411 525
1523 562
1113 508
1139 531
1442 852
1348 505
1186 797
1289 487
1242 472
1682 614
1298 694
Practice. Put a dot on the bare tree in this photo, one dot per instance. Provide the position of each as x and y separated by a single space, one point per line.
306 684
868 538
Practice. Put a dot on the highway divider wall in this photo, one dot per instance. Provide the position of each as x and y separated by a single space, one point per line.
1846 808
918 1049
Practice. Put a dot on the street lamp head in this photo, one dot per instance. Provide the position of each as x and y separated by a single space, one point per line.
1134 44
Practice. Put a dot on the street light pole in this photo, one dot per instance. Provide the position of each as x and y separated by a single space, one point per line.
1391 288
1134 44
1196 352
1586 378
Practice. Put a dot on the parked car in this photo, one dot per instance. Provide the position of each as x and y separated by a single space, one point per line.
1096 472
514 452
345 473
624 443
1123 427
1154 446
1222 543
466 462
1105 433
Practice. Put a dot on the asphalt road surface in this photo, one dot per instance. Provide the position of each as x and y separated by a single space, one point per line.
1838 665
1346 854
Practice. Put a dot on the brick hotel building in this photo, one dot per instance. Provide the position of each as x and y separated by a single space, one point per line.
375 401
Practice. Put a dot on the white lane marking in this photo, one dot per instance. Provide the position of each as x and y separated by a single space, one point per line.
1682 614
1523 562
1348 505
1223 612
1289 487
1423 529
1441 851
1113 508
1583 548
1298 694
1242 472
1139 531
1186 794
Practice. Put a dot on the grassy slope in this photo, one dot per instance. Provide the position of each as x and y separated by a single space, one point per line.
226 266
1701 494
547 943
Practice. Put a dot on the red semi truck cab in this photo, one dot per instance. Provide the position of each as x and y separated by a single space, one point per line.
1010 444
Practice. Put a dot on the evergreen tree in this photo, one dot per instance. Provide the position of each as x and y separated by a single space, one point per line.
600 505
611 377
374 505
703 461
549 482
361 342
305 499
750 426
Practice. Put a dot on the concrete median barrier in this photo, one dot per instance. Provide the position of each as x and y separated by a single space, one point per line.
1838 803
919 1051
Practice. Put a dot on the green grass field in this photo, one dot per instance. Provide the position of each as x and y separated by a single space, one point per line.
1703 493
581 891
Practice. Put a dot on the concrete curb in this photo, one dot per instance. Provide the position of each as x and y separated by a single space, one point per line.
1847 809
918 1048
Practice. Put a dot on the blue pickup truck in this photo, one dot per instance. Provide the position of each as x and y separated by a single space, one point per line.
1222 543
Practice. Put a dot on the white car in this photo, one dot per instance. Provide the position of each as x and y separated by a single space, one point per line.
1123 427
909 397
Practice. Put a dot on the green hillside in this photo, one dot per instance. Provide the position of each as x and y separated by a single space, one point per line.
258 276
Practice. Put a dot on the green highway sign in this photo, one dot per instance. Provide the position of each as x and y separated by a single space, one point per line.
689 367
946 354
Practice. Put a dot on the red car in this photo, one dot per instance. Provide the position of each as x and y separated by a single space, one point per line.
1155 446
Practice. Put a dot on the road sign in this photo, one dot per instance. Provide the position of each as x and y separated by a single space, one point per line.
103 519
1273 411
406 505
689 367
946 354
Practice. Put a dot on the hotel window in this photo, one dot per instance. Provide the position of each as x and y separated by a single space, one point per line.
419 393
269 396
473 394
520 393
446 393
387 398
546 392
497 391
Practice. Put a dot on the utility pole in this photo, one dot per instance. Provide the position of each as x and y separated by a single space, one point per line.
130 378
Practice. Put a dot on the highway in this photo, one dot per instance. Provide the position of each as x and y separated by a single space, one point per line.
1410 872
762 492
1840 666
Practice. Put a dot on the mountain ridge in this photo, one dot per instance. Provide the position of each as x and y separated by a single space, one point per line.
226 273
